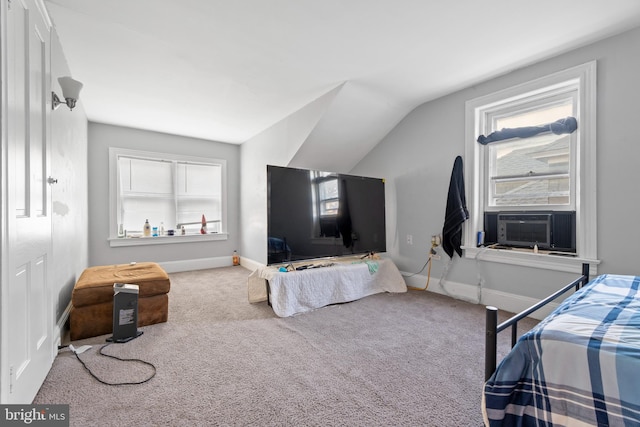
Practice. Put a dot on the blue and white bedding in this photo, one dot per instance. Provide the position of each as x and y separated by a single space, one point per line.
580 366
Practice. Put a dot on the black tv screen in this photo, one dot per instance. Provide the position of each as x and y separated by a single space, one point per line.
315 214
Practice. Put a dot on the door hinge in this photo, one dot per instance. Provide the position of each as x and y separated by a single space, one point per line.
10 379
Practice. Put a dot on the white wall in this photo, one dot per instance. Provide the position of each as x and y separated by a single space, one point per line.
69 195
275 146
358 117
416 158
171 256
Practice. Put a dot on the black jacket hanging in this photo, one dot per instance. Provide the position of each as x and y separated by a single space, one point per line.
456 213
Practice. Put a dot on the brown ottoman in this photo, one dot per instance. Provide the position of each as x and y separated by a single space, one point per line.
92 297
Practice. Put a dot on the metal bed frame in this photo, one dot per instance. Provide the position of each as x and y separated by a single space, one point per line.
493 328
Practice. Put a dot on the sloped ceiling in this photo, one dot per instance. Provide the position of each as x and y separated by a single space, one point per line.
227 70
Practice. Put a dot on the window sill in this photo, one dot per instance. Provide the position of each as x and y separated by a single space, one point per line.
526 258
166 240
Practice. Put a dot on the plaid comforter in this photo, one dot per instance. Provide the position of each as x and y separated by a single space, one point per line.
580 366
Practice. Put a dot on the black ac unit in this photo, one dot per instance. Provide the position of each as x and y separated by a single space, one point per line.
550 230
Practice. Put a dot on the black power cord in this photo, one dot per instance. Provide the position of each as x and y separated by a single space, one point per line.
121 359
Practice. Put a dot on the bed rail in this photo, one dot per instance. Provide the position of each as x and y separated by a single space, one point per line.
493 328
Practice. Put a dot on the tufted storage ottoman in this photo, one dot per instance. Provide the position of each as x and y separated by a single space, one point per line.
92 297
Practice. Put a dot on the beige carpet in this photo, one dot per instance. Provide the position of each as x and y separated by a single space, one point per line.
413 359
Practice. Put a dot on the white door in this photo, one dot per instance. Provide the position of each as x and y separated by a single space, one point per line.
27 317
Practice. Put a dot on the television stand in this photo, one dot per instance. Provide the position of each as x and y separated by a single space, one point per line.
299 291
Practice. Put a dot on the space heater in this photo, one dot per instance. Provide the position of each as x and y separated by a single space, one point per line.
125 313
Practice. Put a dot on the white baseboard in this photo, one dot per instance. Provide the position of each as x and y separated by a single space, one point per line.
504 301
196 264
250 264
58 332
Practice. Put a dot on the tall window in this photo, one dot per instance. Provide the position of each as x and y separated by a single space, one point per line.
537 172
169 191
546 171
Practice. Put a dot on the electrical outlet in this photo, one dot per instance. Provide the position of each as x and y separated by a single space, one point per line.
409 239
436 240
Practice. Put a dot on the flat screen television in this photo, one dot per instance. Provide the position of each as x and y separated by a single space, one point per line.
315 214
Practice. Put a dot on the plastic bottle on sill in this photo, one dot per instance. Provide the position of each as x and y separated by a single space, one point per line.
203 228
162 228
146 230
535 248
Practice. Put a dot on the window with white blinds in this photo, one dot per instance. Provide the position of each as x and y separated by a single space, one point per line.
169 191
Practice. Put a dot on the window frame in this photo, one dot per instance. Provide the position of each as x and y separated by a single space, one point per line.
531 103
115 241
584 76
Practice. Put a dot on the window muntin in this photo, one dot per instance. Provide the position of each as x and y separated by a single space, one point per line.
168 190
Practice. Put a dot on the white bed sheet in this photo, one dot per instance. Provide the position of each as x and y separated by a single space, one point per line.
301 291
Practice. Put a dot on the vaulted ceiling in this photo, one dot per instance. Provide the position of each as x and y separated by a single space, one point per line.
227 70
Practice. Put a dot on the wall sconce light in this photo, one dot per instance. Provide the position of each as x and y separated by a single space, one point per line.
70 91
